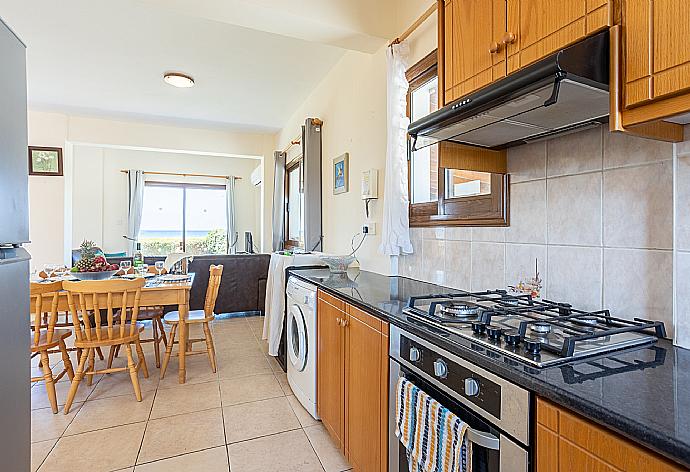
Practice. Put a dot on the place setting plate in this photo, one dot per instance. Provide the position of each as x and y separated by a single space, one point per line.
172 278
148 275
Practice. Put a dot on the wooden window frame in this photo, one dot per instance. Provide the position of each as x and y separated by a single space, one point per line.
418 75
297 162
480 210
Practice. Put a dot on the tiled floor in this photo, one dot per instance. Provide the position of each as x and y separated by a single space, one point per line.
244 418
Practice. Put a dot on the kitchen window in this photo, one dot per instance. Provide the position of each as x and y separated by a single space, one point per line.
181 216
441 192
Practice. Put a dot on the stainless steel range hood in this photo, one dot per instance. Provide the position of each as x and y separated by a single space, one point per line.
565 92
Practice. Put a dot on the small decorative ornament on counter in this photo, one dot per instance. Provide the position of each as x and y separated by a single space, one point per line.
531 286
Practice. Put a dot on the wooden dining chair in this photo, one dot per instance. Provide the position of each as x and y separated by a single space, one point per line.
155 315
88 301
203 317
45 338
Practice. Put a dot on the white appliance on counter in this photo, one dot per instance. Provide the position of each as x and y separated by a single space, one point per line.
301 342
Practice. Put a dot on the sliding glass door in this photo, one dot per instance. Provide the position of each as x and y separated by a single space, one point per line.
206 220
187 217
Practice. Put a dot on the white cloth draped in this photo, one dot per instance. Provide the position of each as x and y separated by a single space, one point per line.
275 295
395 230
230 213
135 208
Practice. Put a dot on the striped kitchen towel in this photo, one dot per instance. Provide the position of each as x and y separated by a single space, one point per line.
433 436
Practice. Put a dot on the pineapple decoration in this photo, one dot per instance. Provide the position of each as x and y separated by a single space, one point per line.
90 261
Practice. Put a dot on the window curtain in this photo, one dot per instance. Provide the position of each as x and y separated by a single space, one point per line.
136 207
230 213
311 167
279 201
395 230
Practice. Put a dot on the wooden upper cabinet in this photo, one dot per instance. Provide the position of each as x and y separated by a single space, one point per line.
537 28
657 58
483 40
569 443
638 51
671 34
330 366
473 57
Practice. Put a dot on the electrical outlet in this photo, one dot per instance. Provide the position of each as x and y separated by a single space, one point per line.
369 229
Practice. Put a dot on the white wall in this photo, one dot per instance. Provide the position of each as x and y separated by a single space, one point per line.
99 197
50 198
46 194
351 100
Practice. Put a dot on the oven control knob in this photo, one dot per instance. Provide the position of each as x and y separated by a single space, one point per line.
440 369
478 327
471 387
511 337
532 346
494 332
415 355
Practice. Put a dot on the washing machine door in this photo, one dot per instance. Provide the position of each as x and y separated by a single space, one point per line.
297 338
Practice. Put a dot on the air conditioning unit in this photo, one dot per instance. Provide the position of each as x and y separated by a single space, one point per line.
257 175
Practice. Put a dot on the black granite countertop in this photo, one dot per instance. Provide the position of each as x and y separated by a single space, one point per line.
644 393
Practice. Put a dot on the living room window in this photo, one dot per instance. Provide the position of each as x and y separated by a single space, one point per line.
294 204
182 216
441 192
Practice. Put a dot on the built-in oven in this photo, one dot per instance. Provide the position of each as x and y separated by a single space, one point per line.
496 411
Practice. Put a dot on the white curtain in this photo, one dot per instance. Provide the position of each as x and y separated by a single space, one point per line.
136 207
395 234
230 212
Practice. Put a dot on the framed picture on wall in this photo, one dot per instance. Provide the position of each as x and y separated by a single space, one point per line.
45 161
341 174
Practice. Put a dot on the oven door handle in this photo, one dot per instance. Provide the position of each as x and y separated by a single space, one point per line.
485 440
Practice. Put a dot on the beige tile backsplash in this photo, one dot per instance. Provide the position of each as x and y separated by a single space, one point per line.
597 210
682 242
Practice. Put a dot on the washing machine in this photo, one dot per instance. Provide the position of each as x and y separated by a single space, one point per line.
301 342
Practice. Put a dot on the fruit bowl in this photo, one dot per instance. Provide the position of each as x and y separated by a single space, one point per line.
338 264
102 275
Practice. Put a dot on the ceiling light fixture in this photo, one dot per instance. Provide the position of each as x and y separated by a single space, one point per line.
177 79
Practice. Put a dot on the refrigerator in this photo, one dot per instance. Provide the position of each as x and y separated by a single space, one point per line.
15 408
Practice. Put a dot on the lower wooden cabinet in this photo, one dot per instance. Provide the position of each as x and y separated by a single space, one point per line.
330 386
567 442
352 382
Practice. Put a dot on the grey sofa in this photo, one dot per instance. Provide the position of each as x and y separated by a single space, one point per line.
242 286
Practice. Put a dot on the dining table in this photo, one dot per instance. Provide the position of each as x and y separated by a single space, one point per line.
156 292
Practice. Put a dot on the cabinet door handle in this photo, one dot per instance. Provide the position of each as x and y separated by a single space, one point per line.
337 320
344 323
508 38
495 47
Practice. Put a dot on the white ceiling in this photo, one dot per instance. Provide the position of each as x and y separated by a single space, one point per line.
254 61
361 25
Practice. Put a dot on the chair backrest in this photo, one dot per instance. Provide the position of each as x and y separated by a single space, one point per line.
215 273
91 296
41 307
